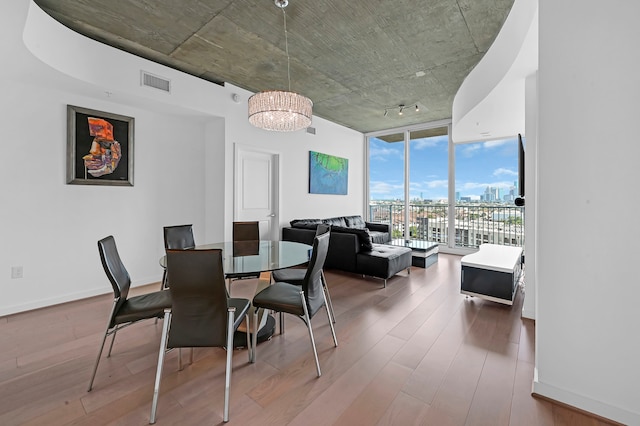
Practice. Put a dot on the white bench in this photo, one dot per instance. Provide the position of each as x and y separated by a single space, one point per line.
492 272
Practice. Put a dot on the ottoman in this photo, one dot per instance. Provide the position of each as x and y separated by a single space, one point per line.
384 261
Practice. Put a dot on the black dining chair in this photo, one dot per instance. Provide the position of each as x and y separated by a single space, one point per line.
296 276
126 310
244 233
201 314
302 301
176 237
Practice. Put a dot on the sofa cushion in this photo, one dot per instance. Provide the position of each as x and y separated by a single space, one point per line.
355 221
335 221
378 237
305 223
363 235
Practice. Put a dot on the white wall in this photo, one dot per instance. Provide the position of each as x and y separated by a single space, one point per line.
587 311
183 162
295 200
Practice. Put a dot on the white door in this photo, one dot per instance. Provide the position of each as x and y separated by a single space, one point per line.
256 189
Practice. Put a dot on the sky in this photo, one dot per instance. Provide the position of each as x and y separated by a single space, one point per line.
478 165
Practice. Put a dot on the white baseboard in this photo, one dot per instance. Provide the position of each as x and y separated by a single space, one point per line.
43 303
598 408
528 314
69 297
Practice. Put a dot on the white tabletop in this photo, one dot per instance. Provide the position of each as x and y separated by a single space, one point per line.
494 257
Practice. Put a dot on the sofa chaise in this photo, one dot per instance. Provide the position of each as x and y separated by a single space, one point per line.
355 245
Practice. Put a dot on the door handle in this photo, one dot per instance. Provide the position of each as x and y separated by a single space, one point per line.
272 215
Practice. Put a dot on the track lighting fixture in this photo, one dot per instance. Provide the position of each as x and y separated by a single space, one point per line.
401 109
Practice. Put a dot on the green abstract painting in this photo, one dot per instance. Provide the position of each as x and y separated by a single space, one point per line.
328 174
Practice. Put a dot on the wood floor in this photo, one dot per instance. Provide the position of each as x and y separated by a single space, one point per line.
416 352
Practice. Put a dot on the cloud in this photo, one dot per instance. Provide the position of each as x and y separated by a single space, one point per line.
502 171
383 153
380 188
430 142
470 150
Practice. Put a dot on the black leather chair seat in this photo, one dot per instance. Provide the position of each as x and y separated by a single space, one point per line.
280 297
384 261
143 306
242 307
289 275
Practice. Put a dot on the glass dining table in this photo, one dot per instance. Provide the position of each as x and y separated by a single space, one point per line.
246 257
254 257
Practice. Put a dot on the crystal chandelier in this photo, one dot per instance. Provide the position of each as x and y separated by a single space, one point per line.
279 110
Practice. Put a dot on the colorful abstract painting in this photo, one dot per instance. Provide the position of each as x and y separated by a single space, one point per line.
328 174
99 147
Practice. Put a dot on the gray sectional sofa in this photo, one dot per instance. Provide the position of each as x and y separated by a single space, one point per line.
355 245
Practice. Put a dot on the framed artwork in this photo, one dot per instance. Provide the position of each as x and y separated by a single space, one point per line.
99 147
328 174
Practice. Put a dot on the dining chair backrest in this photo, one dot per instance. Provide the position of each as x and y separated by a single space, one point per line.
115 270
312 284
179 237
199 298
246 231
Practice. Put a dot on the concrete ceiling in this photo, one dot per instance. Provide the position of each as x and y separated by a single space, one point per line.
353 58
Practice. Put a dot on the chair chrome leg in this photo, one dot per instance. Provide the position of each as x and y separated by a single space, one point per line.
227 375
113 339
255 334
327 297
307 320
333 331
161 354
281 322
163 283
249 345
104 339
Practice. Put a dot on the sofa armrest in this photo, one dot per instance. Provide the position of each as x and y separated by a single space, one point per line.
380 227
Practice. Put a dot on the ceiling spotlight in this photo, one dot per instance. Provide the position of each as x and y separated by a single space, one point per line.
417 108
401 106
385 113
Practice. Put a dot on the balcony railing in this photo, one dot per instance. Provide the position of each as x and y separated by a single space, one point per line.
474 223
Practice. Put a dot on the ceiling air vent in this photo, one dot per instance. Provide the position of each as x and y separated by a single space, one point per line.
156 82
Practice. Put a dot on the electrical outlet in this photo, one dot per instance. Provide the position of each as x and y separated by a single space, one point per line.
16 272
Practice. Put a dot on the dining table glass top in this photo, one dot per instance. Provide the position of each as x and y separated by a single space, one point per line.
257 256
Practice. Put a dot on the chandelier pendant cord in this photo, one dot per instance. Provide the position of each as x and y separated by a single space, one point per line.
286 48
280 110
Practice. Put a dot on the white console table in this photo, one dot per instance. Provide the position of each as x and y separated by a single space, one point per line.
492 272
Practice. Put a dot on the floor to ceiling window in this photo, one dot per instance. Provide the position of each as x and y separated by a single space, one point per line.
386 181
486 179
408 183
420 182
429 184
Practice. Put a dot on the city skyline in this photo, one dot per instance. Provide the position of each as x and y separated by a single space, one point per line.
478 166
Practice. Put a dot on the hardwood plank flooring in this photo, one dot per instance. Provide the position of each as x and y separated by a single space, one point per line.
414 353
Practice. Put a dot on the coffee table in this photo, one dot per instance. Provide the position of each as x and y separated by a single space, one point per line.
423 253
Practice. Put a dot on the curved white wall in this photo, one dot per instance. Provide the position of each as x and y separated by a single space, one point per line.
490 101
